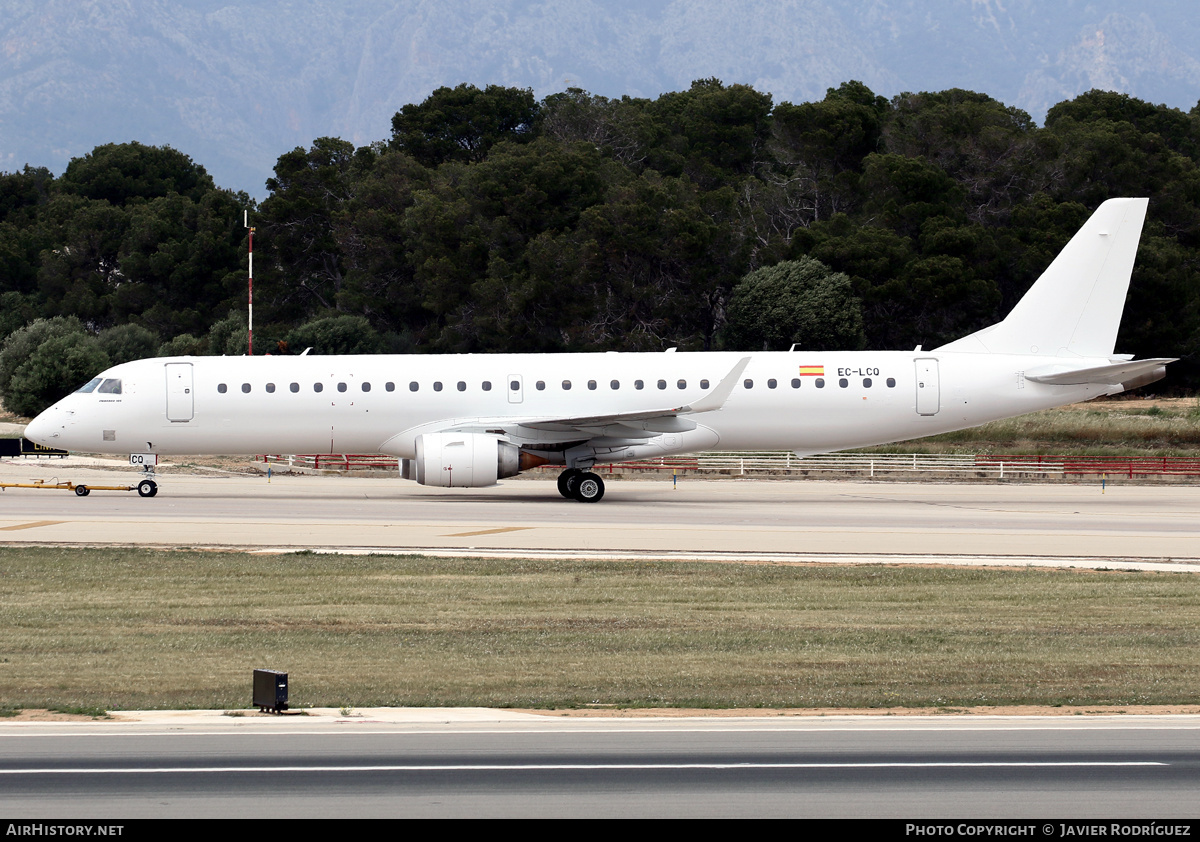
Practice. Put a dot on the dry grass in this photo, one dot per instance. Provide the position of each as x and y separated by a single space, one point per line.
122 629
1163 427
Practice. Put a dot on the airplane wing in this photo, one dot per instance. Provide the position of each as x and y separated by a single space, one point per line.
664 420
612 428
644 423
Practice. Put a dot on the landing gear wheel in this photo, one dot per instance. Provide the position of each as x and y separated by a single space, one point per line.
566 482
147 488
82 491
589 488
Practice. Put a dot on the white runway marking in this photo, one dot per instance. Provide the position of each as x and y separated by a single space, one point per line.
554 767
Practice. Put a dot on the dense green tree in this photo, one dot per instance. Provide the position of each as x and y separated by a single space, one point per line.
992 152
801 302
622 129
651 267
711 132
337 335
903 192
379 279
128 342
23 192
301 266
184 345
118 173
52 371
229 336
45 361
467 238
1179 131
1101 158
464 123
16 311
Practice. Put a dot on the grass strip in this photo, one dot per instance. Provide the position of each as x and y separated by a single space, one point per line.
136 629
1168 427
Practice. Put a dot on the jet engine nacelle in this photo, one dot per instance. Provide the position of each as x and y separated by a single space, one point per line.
463 460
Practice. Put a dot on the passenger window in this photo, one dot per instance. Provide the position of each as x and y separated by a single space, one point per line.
891 382
112 386
222 388
772 383
487 385
703 384
843 382
748 383
462 386
592 385
318 387
514 386
437 385
662 384
639 384
682 384
412 387
566 385
88 386
295 387
820 384
614 385
795 382
271 388
541 385
341 387
366 387
389 386
866 382
246 388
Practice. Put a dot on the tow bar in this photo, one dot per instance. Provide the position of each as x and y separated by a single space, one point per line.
145 488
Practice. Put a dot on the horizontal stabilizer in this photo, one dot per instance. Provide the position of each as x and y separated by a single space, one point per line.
1111 375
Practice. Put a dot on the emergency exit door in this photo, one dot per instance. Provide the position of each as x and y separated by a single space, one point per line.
929 396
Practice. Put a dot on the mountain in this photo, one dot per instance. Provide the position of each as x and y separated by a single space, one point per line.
235 86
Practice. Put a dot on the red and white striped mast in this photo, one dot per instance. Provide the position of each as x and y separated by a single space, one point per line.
250 288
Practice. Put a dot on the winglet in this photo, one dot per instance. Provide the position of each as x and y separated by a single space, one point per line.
717 397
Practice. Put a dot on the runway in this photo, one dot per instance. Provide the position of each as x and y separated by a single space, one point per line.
496 763
478 763
1151 527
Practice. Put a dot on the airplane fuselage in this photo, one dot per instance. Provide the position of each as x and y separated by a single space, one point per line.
469 420
800 401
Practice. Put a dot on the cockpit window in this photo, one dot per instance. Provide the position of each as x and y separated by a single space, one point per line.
89 386
111 386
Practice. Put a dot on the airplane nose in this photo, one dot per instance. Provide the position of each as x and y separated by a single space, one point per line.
44 429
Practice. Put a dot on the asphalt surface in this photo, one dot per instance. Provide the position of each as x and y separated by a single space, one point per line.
805 520
478 763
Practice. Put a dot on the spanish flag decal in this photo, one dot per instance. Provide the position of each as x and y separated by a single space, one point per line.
812 371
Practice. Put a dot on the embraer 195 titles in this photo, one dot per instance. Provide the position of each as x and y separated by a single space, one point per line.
469 420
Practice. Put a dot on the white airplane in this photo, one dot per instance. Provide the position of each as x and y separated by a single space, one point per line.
469 420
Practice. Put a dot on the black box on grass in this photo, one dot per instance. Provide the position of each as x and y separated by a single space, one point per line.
270 690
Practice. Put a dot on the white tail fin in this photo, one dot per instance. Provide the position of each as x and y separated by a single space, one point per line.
1074 308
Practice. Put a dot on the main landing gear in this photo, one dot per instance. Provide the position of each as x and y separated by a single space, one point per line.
583 486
